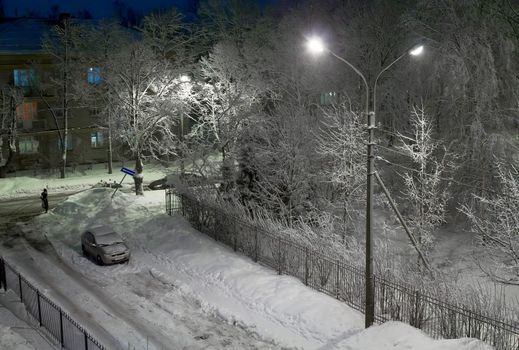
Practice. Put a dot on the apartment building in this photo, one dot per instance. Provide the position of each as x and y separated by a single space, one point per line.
22 59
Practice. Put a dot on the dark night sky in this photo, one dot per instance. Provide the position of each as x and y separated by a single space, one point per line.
98 8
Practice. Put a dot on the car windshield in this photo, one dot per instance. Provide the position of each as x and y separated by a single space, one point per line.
108 239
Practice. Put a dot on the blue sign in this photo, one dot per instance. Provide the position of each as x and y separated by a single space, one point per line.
128 171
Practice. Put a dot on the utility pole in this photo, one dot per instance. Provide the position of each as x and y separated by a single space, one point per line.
370 295
316 45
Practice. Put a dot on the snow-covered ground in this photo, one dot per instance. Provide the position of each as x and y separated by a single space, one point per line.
31 182
456 254
15 332
12 340
182 290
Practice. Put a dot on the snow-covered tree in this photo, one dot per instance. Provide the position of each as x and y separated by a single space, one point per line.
424 192
497 224
145 88
225 102
9 99
341 145
97 42
144 93
60 44
279 161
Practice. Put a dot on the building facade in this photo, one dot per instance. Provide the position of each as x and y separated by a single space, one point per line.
38 146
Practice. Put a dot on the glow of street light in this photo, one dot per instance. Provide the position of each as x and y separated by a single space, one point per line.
416 51
185 78
315 45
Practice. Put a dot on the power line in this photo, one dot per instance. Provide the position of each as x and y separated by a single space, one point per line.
446 179
392 150
479 170
394 133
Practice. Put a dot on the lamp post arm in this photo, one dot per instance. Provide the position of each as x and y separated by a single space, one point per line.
358 73
378 76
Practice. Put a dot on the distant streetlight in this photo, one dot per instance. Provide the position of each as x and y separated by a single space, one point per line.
185 78
416 51
316 46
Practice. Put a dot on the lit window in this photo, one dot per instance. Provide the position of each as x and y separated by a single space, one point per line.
23 77
70 144
28 145
26 113
94 75
96 139
328 98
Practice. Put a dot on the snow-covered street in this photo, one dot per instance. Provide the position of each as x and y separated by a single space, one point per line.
182 290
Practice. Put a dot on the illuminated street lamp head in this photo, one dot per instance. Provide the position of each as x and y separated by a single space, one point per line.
185 78
416 51
315 45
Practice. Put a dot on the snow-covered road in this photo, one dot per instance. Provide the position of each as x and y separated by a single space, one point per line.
181 290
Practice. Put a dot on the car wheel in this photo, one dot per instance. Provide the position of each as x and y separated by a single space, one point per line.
99 260
83 249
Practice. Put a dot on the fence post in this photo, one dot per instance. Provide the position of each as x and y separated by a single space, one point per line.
234 235
337 279
215 227
20 285
306 266
166 200
62 338
417 310
256 246
3 277
86 340
39 306
279 256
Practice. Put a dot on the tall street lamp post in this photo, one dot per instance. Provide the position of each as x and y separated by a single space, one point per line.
316 46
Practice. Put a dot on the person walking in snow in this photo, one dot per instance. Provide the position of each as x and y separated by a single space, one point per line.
45 200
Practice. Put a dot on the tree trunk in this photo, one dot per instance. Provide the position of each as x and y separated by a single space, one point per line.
65 108
110 157
11 139
4 168
138 177
64 145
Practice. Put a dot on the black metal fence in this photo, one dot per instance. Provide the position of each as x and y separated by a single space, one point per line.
54 321
393 301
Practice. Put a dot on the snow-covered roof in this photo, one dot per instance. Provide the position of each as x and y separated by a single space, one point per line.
23 35
100 230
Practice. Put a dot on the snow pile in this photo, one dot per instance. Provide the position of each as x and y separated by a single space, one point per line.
12 341
397 335
182 289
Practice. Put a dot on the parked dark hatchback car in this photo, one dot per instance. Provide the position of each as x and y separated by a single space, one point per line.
166 182
104 245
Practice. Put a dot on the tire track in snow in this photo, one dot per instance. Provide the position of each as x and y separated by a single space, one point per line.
115 309
215 283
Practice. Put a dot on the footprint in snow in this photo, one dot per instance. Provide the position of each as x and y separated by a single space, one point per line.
203 336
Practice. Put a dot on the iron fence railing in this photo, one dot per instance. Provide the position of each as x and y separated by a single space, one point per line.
394 301
55 322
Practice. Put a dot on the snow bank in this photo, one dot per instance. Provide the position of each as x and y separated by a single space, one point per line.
180 282
12 341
